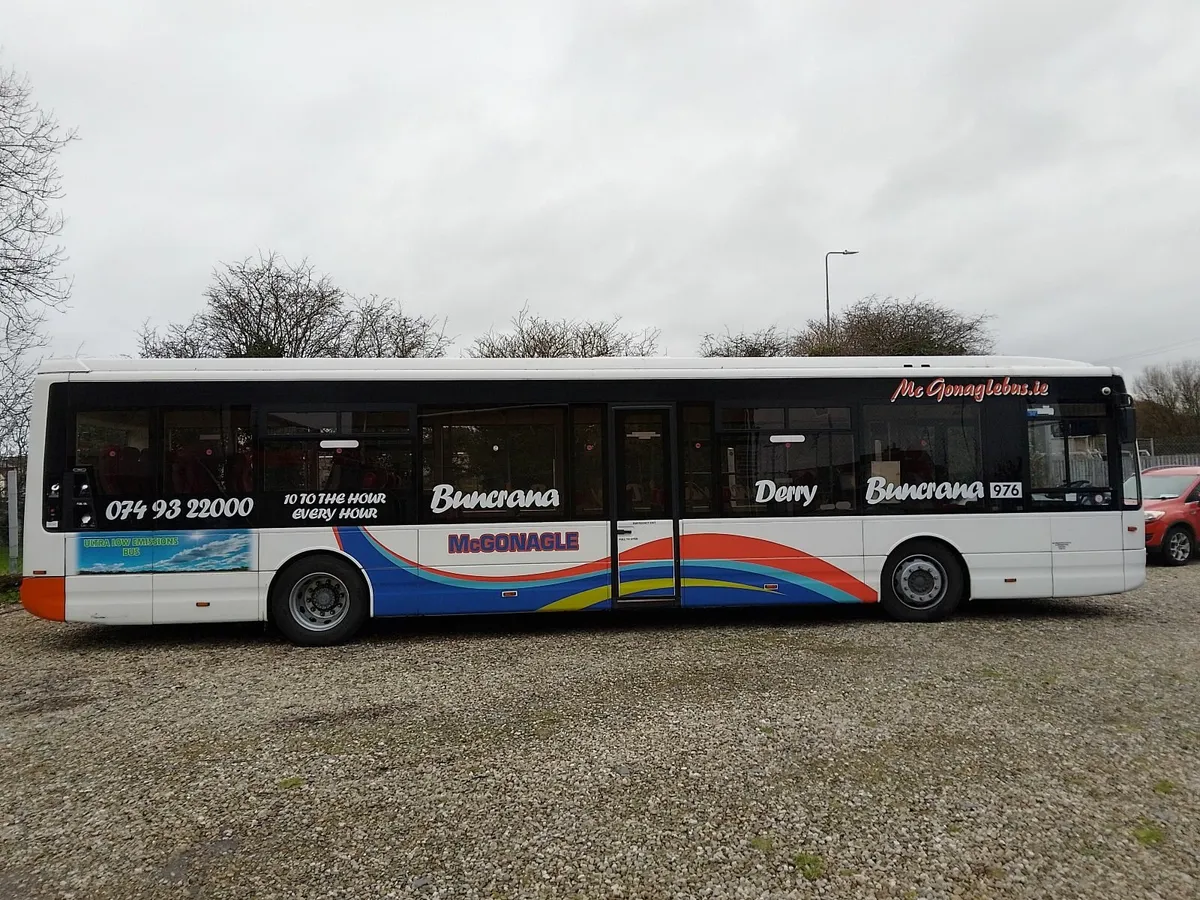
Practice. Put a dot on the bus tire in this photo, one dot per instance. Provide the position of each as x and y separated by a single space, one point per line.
922 581
319 600
1178 547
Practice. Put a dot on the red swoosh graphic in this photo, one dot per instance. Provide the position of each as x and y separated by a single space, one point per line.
779 556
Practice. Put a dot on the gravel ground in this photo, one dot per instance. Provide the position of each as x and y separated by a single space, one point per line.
1040 749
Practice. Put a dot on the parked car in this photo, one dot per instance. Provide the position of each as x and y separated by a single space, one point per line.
1171 499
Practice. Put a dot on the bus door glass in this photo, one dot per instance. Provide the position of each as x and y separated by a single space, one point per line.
644 535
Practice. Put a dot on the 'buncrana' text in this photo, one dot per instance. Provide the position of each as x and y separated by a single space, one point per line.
445 497
879 490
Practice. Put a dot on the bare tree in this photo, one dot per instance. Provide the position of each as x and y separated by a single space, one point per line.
380 327
31 284
267 307
18 363
536 337
770 341
872 326
1169 399
890 326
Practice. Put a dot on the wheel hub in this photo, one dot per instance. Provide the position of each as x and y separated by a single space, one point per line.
919 582
319 602
324 599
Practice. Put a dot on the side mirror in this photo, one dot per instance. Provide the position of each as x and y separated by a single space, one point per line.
1127 424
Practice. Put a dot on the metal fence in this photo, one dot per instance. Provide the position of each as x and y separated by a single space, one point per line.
10 515
1095 468
1053 471
1172 459
1171 447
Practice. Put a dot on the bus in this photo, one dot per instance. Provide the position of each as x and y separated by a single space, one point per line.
316 493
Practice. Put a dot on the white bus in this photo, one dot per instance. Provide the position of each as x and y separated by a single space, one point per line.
316 493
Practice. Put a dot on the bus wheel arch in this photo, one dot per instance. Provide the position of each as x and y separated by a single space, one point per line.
924 579
319 597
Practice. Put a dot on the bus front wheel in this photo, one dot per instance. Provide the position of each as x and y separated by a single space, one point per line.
319 600
922 581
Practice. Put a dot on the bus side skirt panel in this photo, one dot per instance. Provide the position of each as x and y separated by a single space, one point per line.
110 599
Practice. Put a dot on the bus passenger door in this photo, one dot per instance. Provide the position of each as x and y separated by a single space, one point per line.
645 530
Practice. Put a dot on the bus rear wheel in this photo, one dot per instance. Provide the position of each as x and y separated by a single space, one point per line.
319 600
922 581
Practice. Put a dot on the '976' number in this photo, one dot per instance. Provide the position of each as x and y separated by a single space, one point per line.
1005 490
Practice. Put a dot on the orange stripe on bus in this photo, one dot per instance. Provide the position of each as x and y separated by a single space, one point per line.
45 597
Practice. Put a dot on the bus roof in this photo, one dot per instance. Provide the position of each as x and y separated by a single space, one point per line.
461 368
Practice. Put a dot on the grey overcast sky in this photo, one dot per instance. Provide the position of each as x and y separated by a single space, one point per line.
681 164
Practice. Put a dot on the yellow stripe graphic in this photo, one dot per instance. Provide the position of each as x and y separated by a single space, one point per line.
592 596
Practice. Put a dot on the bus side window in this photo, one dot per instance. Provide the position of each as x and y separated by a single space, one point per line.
207 452
111 452
587 463
343 467
786 462
696 425
915 446
469 453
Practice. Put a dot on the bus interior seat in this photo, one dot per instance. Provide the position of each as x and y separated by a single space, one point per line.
145 470
341 475
108 471
129 471
241 472
375 479
916 467
196 470
180 467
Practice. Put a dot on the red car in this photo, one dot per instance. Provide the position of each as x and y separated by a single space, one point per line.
1171 498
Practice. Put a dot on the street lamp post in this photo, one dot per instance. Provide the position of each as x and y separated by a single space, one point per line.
827 255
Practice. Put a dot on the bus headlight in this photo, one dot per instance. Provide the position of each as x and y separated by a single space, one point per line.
1153 515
